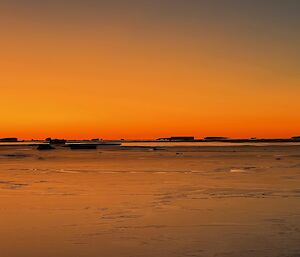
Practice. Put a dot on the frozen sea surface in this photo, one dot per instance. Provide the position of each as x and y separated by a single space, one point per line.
149 202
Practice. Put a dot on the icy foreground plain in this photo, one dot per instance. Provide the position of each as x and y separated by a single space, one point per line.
183 201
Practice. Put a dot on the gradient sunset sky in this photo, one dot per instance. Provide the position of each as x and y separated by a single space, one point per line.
147 69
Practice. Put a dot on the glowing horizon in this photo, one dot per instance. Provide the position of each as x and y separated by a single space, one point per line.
148 70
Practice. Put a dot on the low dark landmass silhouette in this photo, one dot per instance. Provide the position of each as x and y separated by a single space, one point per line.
174 139
9 139
216 138
227 139
56 141
182 138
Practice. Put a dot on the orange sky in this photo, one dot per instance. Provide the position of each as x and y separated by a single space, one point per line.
148 72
